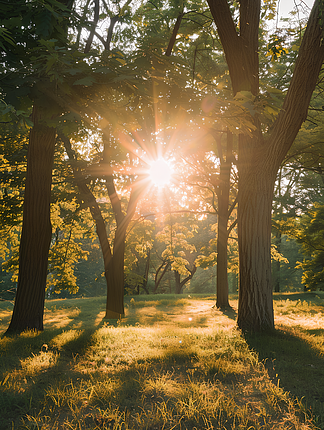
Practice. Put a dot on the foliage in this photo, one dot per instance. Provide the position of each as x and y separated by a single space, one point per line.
138 250
309 233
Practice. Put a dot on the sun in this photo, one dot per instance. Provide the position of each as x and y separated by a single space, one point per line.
160 172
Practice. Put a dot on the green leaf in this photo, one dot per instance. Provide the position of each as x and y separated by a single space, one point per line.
74 71
87 82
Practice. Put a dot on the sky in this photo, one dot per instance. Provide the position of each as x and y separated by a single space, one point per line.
285 6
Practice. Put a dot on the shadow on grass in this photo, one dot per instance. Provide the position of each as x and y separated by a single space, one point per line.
229 312
61 344
17 402
293 363
316 297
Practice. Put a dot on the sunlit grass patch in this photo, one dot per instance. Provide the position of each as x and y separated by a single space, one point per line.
306 310
5 315
39 362
59 341
62 317
191 370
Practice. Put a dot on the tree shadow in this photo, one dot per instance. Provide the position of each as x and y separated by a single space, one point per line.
40 347
229 312
17 347
293 363
309 296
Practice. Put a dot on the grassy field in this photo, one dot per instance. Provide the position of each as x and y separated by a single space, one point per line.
173 362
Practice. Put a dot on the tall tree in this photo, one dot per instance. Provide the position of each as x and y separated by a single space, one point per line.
215 179
263 149
113 255
36 231
223 230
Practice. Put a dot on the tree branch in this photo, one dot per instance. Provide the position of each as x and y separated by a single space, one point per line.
174 34
93 26
89 200
114 200
303 82
240 51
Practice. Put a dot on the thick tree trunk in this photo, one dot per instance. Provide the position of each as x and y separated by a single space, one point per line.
259 159
255 289
36 230
256 185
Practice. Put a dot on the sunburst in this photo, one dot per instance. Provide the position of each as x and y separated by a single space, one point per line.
160 172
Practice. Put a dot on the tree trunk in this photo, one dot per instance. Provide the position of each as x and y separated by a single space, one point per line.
157 279
146 275
113 261
114 274
222 231
174 34
180 284
256 185
36 229
259 158
177 282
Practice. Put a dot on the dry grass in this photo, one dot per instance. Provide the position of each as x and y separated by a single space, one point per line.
171 363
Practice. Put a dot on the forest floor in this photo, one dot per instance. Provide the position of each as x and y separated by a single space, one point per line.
173 362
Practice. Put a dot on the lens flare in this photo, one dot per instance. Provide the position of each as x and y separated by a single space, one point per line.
160 172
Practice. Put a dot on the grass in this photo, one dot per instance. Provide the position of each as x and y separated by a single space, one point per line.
172 363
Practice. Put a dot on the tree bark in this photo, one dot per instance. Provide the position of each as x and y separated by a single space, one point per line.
113 260
222 230
115 277
146 275
93 26
256 184
36 229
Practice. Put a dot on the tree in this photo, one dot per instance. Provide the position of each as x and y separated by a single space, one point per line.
139 243
33 254
213 179
263 149
180 252
298 190
36 234
224 211
113 256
